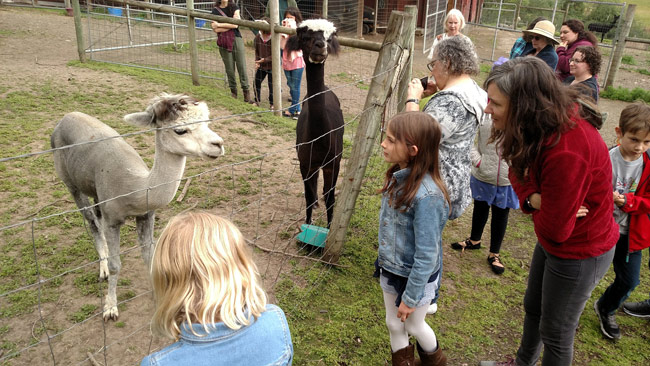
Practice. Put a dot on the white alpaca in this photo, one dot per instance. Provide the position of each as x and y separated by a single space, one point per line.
112 171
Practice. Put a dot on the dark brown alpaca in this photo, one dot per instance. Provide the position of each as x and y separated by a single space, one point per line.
319 132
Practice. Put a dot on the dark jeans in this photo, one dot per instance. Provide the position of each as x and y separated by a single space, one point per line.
627 270
294 77
259 77
557 292
497 227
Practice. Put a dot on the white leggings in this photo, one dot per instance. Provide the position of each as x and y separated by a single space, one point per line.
414 325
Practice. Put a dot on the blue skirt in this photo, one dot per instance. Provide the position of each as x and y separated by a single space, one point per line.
500 196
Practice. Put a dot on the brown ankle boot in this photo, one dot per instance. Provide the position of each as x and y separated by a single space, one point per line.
233 93
435 358
247 96
404 356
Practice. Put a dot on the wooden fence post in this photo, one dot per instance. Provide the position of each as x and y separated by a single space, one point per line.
194 50
404 82
620 45
276 61
79 30
401 27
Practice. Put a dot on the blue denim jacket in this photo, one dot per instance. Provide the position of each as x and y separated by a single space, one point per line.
266 341
410 242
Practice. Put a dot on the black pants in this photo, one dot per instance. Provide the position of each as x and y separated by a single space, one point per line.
259 77
497 227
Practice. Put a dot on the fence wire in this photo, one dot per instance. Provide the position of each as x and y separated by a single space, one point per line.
257 185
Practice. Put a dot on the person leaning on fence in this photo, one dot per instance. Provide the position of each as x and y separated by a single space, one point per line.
543 40
572 35
457 105
585 65
263 64
232 52
561 172
523 44
209 299
631 188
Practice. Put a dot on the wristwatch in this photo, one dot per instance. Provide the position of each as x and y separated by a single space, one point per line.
412 100
528 205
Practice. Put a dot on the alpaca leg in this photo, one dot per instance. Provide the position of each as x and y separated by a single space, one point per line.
92 216
311 195
144 227
330 175
112 233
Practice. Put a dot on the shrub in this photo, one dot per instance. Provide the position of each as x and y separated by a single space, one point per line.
625 94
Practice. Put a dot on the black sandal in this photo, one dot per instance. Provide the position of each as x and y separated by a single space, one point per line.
465 244
493 261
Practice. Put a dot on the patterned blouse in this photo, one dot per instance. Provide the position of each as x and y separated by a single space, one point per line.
458 110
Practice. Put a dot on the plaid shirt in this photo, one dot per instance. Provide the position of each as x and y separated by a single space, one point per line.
518 48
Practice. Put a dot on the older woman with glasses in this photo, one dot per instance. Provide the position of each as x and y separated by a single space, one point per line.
542 38
584 65
458 105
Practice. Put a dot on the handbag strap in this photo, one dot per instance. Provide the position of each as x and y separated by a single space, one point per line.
221 11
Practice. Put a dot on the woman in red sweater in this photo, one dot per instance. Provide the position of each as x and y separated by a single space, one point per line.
557 154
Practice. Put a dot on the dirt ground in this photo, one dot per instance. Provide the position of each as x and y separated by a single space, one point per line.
44 44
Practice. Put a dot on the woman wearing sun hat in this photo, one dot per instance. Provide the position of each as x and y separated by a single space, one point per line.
543 42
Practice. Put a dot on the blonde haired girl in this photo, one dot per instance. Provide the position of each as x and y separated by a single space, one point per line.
208 297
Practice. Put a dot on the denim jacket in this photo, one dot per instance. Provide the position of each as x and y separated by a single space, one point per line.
410 242
266 341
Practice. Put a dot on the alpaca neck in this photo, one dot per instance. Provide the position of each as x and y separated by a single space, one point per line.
167 168
315 83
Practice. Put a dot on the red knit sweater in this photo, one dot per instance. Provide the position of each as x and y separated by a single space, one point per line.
637 204
576 171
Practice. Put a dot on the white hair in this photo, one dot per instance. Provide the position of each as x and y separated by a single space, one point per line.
317 25
458 15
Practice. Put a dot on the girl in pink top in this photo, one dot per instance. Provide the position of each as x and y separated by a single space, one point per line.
292 63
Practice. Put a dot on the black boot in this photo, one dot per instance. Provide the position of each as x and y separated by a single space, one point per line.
233 93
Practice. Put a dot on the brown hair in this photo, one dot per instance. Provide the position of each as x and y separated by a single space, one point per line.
540 110
578 27
591 57
422 130
634 118
292 10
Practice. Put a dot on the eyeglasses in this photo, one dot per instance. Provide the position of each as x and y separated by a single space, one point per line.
431 64
537 38
576 61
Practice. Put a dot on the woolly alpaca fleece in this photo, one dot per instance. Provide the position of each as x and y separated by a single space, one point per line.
317 25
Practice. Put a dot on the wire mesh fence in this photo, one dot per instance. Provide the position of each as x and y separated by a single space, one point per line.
51 300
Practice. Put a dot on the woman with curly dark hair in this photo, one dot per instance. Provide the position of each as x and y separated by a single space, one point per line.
584 65
572 35
561 171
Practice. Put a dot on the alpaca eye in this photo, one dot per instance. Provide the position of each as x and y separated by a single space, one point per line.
180 131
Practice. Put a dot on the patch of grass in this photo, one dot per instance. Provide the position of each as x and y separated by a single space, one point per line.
83 313
628 60
626 94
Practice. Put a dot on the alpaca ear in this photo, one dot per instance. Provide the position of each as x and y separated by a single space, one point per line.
293 43
140 119
333 45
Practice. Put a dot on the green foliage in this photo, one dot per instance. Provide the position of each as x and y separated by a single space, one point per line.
626 94
628 60
83 313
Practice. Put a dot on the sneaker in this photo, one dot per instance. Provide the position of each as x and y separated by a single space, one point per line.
433 308
508 362
639 309
608 325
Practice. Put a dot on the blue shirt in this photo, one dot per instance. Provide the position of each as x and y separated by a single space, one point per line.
548 55
410 242
265 342
518 48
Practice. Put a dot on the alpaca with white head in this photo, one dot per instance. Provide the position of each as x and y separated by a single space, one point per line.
319 131
112 173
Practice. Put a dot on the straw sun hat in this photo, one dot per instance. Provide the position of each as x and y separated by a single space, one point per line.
543 28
